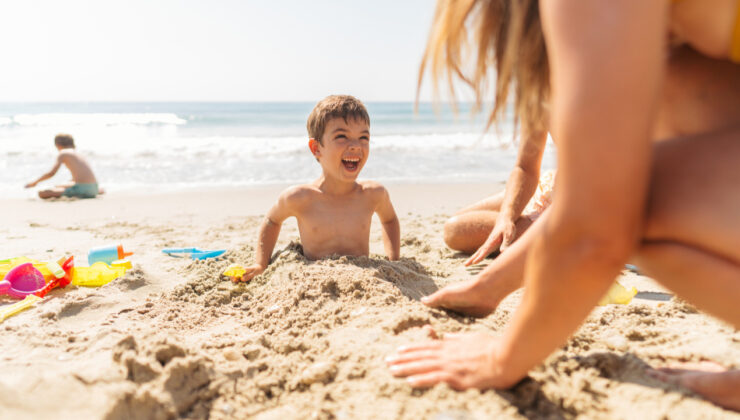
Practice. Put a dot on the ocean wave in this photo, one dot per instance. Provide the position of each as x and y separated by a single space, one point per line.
125 146
93 119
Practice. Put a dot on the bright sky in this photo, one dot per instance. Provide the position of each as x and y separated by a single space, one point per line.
211 50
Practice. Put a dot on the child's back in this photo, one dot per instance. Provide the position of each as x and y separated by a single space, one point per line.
79 168
84 184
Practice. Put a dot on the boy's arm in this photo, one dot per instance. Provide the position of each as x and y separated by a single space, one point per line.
520 188
269 232
391 227
47 175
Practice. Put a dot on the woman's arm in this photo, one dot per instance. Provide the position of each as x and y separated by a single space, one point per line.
607 62
520 188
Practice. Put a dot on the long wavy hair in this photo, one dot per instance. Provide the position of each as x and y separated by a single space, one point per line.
505 36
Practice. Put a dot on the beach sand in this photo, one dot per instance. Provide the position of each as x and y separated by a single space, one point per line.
304 340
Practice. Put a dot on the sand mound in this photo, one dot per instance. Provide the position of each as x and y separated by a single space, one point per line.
166 382
307 339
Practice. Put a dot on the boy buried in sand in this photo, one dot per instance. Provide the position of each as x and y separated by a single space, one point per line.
333 212
84 186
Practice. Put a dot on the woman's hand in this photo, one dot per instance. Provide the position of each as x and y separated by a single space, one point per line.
502 235
469 360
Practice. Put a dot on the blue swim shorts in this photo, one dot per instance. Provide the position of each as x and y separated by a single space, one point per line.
81 191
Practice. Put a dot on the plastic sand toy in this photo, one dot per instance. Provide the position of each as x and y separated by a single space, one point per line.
235 271
618 294
63 274
96 275
17 307
21 281
194 253
107 254
121 266
124 263
44 268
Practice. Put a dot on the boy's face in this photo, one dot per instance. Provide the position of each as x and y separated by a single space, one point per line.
345 148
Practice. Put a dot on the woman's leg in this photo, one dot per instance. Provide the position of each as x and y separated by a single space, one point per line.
692 231
492 203
720 387
466 232
481 295
692 240
469 228
684 270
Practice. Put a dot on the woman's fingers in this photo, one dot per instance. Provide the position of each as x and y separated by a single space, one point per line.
478 255
409 357
416 367
429 379
461 360
471 260
508 238
431 345
485 250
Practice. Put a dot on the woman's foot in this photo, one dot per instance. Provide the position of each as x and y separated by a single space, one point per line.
721 387
476 297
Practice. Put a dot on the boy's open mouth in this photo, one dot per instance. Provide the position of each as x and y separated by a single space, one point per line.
351 164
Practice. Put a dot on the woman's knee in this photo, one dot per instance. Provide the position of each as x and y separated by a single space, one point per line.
452 233
461 236
468 231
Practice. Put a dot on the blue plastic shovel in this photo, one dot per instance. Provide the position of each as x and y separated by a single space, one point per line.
194 253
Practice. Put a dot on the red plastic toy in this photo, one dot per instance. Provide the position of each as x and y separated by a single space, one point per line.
67 266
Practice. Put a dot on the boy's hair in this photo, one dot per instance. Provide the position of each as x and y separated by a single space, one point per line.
65 141
335 106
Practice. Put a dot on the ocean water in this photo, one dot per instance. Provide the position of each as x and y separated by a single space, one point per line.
152 147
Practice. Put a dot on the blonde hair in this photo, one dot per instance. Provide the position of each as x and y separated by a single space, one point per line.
334 106
64 140
508 37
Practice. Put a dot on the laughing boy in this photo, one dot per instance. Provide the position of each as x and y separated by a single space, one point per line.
334 211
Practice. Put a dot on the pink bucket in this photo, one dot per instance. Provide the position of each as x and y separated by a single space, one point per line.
22 281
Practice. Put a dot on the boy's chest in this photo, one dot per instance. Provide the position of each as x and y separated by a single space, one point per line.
335 219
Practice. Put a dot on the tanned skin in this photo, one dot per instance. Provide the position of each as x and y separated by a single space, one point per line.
78 167
618 195
334 212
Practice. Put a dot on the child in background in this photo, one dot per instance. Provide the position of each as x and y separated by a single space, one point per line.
84 184
334 212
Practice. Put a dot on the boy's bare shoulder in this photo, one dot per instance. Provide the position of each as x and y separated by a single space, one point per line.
66 153
297 195
373 188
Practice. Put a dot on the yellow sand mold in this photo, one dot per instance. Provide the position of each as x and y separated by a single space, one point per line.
618 294
17 307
